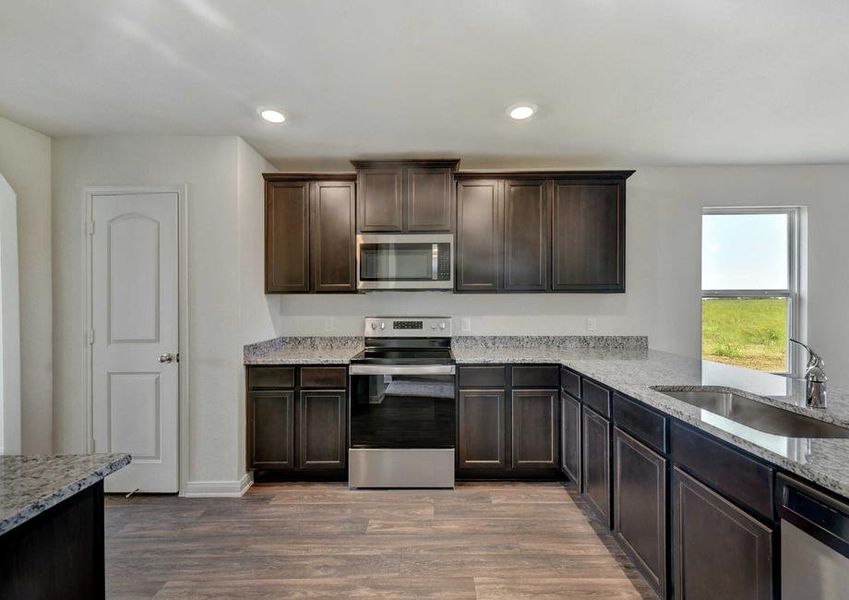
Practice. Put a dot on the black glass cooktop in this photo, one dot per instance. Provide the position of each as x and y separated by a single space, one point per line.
404 356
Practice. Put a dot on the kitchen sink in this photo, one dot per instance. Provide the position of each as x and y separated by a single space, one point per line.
757 415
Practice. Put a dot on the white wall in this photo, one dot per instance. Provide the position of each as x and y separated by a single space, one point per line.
25 163
255 309
10 321
208 166
663 268
228 307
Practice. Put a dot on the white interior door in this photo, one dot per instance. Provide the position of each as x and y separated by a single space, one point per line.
134 318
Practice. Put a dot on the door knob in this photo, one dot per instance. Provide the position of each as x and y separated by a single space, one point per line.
166 358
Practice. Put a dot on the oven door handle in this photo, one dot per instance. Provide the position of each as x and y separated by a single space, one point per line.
401 369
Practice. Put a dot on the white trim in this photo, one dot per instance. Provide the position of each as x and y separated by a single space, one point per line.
10 322
183 313
218 489
796 316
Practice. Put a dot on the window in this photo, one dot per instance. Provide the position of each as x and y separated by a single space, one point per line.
750 286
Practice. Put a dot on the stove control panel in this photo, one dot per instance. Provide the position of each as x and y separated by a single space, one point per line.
408 327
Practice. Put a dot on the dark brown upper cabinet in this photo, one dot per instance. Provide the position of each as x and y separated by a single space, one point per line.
588 250
405 196
479 238
333 254
287 234
309 233
527 222
539 231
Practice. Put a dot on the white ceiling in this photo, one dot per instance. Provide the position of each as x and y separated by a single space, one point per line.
618 82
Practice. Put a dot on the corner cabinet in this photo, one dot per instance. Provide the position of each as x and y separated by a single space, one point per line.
309 233
405 196
541 231
508 421
588 249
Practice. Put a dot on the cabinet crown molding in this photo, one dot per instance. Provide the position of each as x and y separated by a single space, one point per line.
557 175
450 163
272 177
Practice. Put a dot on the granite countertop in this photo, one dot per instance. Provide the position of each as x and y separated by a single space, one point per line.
636 372
29 485
331 350
625 364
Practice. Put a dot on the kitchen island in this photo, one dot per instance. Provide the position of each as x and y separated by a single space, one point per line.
51 524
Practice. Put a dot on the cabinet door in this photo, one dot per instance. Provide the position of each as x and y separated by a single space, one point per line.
595 456
534 428
379 198
332 236
718 550
322 429
481 435
479 256
570 438
271 429
527 221
287 236
589 236
429 199
639 506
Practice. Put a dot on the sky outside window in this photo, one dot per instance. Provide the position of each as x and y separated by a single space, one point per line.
745 252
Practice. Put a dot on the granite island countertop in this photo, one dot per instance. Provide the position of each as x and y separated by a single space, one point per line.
29 485
636 372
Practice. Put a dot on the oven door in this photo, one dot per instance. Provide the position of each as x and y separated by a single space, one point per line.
402 407
407 261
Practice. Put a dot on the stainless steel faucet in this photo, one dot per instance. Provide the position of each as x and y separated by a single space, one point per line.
815 379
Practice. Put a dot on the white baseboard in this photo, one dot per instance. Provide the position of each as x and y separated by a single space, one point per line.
218 489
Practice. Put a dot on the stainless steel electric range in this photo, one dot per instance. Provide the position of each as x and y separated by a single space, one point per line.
403 412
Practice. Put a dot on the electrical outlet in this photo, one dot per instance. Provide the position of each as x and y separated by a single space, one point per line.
466 324
329 324
592 323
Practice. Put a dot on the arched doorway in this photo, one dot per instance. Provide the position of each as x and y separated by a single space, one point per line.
10 340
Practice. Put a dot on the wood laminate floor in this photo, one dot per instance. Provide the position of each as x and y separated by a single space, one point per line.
481 541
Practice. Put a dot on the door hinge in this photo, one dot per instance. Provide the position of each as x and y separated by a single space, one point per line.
89 228
89 338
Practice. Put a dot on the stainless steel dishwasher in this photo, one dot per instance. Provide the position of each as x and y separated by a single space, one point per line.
814 542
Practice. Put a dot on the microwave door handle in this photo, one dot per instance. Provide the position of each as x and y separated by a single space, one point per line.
434 269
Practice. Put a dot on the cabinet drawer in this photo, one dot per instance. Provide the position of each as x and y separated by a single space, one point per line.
266 378
596 397
729 472
324 377
478 377
642 423
570 382
536 376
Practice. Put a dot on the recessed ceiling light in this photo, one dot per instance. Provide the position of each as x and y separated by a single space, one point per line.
520 112
271 115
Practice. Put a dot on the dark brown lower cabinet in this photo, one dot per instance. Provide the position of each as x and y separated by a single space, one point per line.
271 429
297 420
535 430
639 506
321 429
596 462
58 553
482 435
570 438
719 551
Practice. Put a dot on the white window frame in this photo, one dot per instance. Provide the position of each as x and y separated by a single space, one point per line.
791 293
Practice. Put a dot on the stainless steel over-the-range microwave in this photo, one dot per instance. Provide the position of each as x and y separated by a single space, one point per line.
405 261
